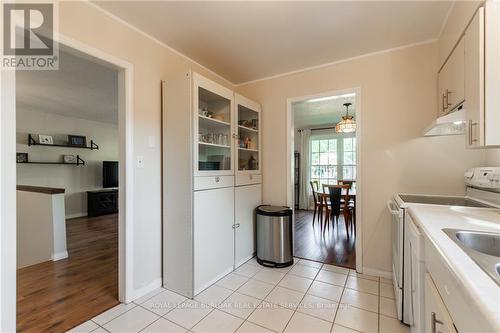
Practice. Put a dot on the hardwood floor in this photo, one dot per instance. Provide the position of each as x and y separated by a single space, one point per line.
333 247
56 296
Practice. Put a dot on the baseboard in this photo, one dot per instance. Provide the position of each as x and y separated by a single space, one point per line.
155 284
244 261
377 272
74 216
213 281
59 255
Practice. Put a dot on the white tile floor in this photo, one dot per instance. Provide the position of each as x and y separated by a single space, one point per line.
308 297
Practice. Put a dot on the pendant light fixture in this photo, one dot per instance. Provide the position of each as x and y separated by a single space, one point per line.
347 124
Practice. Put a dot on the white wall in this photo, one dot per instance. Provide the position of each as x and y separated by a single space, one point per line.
76 180
398 101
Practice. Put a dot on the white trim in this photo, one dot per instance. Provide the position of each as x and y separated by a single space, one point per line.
59 255
153 285
154 39
213 281
7 201
377 272
359 165
126 178
336 62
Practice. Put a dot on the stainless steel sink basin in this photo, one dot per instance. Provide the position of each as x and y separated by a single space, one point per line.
482 247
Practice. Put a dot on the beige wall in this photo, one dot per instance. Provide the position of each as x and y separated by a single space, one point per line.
493 157
398 94
75 180
152 63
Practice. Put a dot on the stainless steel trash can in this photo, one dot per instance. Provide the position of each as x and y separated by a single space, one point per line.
274 236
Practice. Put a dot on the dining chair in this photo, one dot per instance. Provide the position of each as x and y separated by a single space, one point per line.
318 207
339 203
346 182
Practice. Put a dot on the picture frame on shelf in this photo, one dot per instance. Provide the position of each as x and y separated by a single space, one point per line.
77 140
22 157
70 159
45 139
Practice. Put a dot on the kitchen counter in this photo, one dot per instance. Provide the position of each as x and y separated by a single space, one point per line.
40 189
481 292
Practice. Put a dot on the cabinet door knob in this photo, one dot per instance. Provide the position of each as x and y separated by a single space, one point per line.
217 179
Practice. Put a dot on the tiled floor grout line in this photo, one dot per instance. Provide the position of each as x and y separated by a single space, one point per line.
264 300
212 306
295 310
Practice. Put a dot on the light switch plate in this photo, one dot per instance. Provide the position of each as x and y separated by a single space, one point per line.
139 162
151 141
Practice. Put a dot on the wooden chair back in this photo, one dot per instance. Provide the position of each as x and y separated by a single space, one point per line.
346 182
314 187
335 194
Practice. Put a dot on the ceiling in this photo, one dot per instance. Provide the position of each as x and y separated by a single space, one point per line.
326 113
80 88
248 40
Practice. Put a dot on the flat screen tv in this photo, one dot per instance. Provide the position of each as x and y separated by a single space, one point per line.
109 174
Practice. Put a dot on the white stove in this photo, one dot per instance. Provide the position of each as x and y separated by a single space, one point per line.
482 191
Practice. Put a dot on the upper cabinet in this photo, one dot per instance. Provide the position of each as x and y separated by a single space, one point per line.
213 128
482 77
451 81
248 137
470 74
474 80
492 74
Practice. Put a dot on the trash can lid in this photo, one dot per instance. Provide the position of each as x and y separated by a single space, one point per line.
274 210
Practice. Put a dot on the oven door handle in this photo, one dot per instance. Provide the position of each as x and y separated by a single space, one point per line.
390 205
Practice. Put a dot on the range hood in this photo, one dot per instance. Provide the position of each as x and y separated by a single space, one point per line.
451 124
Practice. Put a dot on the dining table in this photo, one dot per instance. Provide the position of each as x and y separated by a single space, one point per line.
325 196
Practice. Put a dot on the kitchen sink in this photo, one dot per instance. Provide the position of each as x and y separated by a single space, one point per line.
482 247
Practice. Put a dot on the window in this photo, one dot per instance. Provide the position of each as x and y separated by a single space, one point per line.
333 159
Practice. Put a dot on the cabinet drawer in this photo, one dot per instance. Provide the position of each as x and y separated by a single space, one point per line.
465 315
248 179
205 183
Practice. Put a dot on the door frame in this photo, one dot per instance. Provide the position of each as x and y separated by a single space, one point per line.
290 132
8 179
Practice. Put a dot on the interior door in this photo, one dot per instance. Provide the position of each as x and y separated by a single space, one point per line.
213 235
247 198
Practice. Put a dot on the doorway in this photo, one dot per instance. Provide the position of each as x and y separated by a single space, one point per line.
324 183
95 274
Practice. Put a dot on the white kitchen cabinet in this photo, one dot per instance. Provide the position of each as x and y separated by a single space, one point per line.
474 80
437 318
213 112
213 236
247 198
451 80
249 136
492 74
205 235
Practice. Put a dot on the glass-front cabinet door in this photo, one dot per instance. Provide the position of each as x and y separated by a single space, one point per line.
248 136
213 128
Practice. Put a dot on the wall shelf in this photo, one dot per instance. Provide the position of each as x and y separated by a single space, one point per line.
78 162
32 142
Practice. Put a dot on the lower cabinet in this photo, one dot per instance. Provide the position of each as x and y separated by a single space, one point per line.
437 318
247 198
213 236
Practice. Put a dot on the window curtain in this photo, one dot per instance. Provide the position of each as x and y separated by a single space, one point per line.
305 169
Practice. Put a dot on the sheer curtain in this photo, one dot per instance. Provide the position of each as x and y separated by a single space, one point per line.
305 169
